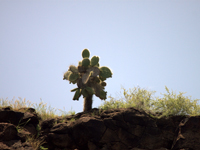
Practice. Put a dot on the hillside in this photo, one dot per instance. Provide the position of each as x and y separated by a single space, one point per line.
115 129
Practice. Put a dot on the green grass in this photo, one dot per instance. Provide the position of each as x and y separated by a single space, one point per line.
169 104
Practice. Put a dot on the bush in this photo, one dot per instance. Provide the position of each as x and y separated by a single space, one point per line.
169 104
173 104
135 97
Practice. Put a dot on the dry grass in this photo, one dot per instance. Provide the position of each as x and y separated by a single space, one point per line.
43 110
35 142
15 104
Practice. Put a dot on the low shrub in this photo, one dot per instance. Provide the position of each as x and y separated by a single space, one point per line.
170 104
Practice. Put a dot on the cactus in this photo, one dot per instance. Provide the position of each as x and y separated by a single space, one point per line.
73 77
94 60
85 62
89 90
85 93
86 77
73 69
95 71
90 79
85 53
105 72
102 95
103 83
66 75
87 103
77 94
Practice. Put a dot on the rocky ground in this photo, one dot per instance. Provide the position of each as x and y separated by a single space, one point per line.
118 129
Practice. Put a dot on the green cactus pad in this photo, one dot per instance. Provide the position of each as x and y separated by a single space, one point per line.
66 75
98 88
73 77
102 78
73 69
94 60
74 89
77 94
103 95
85 62
85 93
105 72
90 90
85 53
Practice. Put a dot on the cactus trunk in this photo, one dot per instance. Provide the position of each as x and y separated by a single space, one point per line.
87 103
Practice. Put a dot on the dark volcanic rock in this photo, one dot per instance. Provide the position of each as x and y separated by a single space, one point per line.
116 129
10 116
15 145
47 124
188 134
7 132
14 128
124 129
16 118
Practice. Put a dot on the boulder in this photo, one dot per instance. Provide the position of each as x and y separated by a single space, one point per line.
7 132
16 127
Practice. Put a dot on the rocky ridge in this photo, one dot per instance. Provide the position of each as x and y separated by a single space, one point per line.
117 129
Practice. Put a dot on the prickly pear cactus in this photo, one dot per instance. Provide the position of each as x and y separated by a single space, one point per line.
89 77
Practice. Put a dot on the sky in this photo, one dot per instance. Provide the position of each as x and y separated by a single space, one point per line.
146 43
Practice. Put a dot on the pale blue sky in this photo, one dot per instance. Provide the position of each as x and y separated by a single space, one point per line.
151 44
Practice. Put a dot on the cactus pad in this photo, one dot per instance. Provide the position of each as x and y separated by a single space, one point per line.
85 93
89 90
85 53
94 60
73 77
66 75
105 72
85 62
73 69
77 94
74 89
101 94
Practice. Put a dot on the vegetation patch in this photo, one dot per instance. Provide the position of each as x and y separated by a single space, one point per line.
171 104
